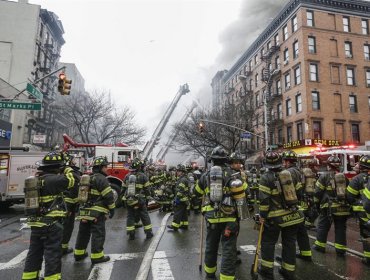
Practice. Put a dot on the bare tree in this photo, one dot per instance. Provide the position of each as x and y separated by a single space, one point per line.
96 119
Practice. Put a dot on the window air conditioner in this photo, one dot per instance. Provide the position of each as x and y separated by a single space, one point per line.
286 62
349 56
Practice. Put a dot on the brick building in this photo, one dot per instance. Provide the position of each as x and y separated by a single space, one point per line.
312 64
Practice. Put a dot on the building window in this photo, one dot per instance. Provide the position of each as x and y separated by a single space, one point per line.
277 40
288 107
348 49
365 27
280 135
351 76
314 77
353 103
257 100
299 131
298 103
286 56
368 101
367 52
289 134
368 78
287 81
317 130
335 76
355 129
278 87
256 60
279 110
297 75
295 49
310 19
333 47
337 103
256 80
311 44
269 45
277 62
346 24
294 24
285 32
315 100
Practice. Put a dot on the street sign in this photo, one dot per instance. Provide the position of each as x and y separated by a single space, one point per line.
34 92
39 139
246 135
20 106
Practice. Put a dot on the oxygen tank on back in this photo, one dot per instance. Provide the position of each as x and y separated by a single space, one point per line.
84 189
340 186
191 183
288 188
32 189
238 195
309 180
215 188
131 187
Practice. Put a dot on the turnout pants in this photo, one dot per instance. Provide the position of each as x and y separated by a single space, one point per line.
134 215
303 241
180 215
323 227
226 233
95 229
44 243
270 237
68 225
365 234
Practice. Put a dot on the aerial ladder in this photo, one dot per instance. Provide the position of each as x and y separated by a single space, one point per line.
162 153
149 146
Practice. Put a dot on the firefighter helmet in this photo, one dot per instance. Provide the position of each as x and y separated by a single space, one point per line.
172 168
189 167
100 161
365 162
68 159
136 164
289 155
52 159
236 158
272 160
218 153
334 161
262 170
181 167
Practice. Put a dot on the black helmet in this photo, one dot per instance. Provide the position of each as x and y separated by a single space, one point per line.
289 155
236 157
100 161
53 160
218 153
334 161
189 167
365 162
272 160
68 159
136 164
181 167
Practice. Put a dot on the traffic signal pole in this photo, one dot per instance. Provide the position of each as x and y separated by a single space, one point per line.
228 125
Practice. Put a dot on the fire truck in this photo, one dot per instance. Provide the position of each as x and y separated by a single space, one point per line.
349 156
16 164
119 157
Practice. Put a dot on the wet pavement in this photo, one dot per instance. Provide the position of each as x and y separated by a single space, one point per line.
176 257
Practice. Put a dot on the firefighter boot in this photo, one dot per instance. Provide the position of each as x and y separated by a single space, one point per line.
149 235
66 251
131 235
170 227
81 257
287 275
100 260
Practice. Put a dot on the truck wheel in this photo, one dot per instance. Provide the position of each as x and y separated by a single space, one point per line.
116 194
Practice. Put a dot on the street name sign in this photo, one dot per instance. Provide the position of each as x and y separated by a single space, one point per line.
20 106
245 135
34 92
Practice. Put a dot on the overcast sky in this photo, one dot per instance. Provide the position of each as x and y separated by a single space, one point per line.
142 51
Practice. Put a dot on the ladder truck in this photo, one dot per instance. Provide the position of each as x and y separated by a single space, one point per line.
163 152
149 146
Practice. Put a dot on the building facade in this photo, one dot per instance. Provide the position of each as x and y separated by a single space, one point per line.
307 75
30 50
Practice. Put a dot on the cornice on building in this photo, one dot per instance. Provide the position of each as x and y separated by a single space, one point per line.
360 8
55 24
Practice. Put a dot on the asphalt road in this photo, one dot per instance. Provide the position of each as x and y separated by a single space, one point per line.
176 257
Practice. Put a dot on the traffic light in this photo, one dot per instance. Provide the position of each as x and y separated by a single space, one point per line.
201 127
64 85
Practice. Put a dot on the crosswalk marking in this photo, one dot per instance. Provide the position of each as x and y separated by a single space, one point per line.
251 250
161 269
15 261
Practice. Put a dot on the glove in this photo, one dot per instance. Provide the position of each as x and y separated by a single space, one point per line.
111 213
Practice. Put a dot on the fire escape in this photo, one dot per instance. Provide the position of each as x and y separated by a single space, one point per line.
273 94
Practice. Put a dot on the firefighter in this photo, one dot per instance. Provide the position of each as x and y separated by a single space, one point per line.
137 193
196 201
71 203
220 214
93 213
253 186
181 202
330 199
45 217
290 164
357 194
279 211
